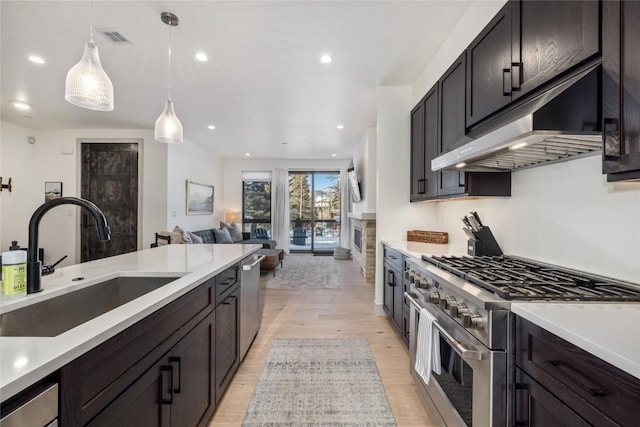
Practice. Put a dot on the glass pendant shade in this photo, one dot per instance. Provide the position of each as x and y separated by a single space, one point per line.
87 84
168 128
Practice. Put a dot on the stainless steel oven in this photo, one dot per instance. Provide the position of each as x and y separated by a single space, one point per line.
472 386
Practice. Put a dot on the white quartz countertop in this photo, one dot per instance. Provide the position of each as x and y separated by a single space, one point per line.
609 331
417 249
25 360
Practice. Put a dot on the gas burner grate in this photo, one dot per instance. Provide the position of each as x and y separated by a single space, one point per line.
521 279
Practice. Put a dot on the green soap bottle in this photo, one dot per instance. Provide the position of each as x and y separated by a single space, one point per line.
14 274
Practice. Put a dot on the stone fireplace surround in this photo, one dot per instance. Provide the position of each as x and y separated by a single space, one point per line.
366 257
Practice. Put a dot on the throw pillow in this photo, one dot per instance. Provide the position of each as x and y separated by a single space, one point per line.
173 236
195 238
234 230
222 235
184 235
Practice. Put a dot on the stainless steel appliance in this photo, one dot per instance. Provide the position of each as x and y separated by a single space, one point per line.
470 297
250 302
39 411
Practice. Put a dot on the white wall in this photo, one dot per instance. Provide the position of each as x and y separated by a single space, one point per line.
54 157
564 214
233 169
191 161
364 161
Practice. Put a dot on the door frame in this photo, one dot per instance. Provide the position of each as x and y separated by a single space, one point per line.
78 221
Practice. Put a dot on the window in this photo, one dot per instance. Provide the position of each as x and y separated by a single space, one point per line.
256 202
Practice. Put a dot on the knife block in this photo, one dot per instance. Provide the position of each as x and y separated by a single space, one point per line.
484 244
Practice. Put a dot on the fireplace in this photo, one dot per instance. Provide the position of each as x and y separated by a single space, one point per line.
363 230
357 238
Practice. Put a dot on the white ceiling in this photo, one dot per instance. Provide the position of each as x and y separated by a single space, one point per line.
262 86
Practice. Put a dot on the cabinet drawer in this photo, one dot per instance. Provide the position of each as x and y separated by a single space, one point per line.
598 391
394 257
94 379
225 281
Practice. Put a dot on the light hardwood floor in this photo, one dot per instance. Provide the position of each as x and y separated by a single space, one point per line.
327 313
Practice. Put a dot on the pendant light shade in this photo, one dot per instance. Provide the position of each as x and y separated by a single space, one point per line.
87 84
168 128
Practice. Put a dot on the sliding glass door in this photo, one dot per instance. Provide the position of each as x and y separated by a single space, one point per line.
314 208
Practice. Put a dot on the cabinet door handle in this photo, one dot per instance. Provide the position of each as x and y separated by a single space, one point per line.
172 360
393 278
522 387
228 300
516 76
163 396
421 186
611 137
577 378
506 82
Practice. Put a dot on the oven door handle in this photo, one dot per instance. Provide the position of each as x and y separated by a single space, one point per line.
464 351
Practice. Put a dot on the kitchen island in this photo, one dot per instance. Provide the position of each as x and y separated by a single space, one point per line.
26 360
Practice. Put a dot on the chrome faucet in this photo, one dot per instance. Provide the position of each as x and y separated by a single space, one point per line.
34 266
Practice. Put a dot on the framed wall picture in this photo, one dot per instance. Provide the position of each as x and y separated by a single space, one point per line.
52 190
199 198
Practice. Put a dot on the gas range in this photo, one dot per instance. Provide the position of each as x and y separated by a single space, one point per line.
476 292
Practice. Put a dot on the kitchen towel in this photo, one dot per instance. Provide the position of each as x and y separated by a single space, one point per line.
428 346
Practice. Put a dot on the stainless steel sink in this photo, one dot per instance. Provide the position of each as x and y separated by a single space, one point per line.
57 315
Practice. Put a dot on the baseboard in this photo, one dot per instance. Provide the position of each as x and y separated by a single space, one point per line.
378 310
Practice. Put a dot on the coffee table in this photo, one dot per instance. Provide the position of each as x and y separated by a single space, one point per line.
273 257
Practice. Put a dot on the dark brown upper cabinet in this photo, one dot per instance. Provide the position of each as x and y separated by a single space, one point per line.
549 38
621 90
452 123
524 48
489 68
424 145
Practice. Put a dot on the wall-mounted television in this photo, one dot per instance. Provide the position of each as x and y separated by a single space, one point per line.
354 184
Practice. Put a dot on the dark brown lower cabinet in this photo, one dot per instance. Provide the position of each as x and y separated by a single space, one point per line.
227 336
178 390
535 406
558 383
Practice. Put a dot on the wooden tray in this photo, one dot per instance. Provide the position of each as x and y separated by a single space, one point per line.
422 236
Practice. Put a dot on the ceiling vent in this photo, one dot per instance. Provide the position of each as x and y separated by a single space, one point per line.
114 36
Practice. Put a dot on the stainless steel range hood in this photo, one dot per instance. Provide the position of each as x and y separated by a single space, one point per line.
559 124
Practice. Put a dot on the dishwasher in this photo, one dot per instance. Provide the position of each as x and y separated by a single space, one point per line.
250 302
38 408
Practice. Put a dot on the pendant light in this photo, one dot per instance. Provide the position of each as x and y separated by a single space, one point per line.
168 128
87 85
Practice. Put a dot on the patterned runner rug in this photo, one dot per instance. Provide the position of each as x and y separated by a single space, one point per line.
319 382
303 272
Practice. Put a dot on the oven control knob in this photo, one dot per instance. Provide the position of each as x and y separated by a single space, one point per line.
423 283
457 310
471 320
434 297
412 276
446 302
406 274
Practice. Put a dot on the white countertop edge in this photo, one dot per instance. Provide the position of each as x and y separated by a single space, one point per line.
84 337
586 339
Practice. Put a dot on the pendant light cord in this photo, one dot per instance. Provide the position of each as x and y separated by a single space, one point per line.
91 24
169 62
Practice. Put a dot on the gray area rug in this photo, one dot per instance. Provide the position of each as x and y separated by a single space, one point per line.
303 272
319 382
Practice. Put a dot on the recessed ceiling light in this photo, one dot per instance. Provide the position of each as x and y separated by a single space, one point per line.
201 57
284 143
333 155
326 59
212 127
304 135
22 106
340 127
36 59
247 154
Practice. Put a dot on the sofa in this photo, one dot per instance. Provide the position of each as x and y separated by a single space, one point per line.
208 236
